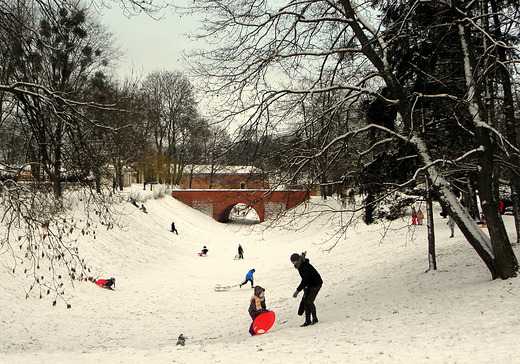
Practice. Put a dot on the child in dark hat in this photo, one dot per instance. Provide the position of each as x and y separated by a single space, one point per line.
256 305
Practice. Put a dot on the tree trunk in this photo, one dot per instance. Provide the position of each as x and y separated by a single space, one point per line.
509 112
469 228
432 258
56 173
505 262
515 199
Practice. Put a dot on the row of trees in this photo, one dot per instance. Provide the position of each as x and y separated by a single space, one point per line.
65 117
380 95
375 95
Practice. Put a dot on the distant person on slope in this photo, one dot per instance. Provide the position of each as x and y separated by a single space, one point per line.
451 225
310 284
106 283
181 340
173 229
204 251
249 278
256 305
420 217
414 216
240 252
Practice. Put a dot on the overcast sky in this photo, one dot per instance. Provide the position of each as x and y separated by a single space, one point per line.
150 44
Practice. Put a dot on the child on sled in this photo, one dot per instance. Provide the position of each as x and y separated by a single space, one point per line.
204 251
181 340
106 283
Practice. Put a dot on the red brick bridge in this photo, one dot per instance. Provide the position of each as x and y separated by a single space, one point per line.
219 203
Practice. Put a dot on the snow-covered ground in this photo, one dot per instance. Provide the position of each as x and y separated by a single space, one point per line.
377 304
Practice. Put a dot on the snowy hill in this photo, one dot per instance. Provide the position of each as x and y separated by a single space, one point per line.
377 304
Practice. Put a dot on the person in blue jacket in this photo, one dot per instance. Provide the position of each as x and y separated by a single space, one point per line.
249 277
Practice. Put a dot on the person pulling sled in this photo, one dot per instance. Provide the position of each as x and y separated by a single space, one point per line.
249 278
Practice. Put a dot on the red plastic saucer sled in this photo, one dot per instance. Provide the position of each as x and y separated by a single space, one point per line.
264 322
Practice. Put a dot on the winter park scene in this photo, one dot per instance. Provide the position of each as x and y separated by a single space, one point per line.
268 181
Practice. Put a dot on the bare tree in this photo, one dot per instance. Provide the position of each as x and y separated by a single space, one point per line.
337 45
172 117
49 55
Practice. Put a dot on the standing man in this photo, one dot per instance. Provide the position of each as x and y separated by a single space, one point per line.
451 225
174 230
310 284
240 252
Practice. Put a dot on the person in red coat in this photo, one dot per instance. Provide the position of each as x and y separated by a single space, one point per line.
106 283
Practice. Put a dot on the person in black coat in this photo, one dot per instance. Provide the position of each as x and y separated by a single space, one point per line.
311 284
173 229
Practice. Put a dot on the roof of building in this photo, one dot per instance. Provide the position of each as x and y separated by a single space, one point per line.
207 168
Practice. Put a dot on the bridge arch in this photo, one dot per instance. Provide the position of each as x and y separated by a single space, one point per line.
227 212
219 203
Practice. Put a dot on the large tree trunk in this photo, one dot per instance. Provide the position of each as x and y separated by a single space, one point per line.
469 228
509 113
505 262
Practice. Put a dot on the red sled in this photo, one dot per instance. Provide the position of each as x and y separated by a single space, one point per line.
264 322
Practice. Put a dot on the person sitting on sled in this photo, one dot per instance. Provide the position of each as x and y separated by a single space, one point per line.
256 305
106 283
181 340
204 251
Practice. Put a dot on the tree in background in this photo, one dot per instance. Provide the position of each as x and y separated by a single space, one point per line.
65 48
49 54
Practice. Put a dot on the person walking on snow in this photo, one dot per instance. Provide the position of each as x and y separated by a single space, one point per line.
249 277
414 216
173 229
451 225
256 306
420 217
240 252
310 284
